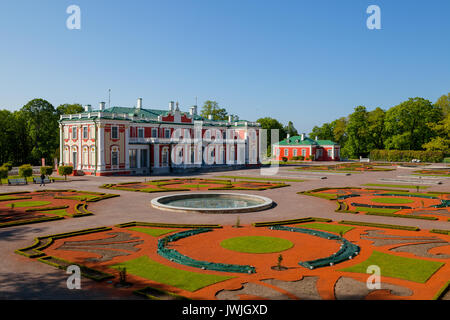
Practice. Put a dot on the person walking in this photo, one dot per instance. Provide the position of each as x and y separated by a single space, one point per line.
42 180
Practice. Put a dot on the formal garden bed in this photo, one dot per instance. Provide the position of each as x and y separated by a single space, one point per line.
45 205
414 263
193 184
346 167
387 202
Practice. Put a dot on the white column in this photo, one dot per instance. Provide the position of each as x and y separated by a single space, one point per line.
332 152
61 145
80 151
127 147
138 158
156 155
101 148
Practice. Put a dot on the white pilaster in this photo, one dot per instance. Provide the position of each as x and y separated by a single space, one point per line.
61 144
127 147
156 155
101 148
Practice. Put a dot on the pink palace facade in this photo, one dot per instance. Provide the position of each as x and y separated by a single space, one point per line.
134 140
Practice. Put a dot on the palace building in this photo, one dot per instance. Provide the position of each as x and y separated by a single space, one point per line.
307 149
135 140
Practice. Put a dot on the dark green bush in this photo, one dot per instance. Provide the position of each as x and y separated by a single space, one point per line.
65 171
25 171
406 155
8 165
46 170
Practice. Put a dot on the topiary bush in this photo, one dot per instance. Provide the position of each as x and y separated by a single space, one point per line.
65 171
46 170
25 171
8 165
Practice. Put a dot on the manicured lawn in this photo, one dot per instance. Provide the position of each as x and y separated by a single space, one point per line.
326 195
260 178
392 200
256 244
80 197
193 186
146 268
326 227
395 186
155 232
376 210
24 204
8 198
411 269
59 212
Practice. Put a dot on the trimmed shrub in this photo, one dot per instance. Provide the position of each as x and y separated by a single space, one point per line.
65 171
406 155
284 159
8 165
3 173
47 170
25 171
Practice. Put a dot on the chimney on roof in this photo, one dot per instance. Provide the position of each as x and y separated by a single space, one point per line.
87 108
139 103
209 116
171 106
193 110
230 118
288 136
102 106
177 107
303 136
317 138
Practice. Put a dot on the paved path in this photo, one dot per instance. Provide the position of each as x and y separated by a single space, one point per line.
20 278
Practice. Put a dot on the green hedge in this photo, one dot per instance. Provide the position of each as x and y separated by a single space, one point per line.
28 221
445 288
447 232
410 216
167 225
379 225
293 221
406 155
149 293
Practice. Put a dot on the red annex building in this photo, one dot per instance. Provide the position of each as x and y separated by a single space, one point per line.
304 148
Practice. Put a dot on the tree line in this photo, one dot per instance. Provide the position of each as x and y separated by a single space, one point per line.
32 133
414 124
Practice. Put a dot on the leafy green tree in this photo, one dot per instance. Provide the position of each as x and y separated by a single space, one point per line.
290 129
376 134
407 124
69 109
444 103
358 133
325 132
42 127
340 131
212 108
269 124
441 142
65 171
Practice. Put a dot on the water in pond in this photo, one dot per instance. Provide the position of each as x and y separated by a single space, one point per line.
213 203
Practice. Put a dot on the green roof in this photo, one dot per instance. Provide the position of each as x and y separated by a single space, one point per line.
297 140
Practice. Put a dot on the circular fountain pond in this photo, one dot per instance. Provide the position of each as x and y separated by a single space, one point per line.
212 202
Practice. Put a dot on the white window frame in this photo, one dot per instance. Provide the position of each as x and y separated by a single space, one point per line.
286 152
74 133
329 153
118 160
154 132
304 152
85 132
140 130
112 130
295 152
166 136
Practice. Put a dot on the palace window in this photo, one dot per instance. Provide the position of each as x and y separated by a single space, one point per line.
154 132
295 152
115 158
304 152
167 133
114 132
74 132
286 152
85 133
140 132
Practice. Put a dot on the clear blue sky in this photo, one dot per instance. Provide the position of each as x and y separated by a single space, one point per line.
306 61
